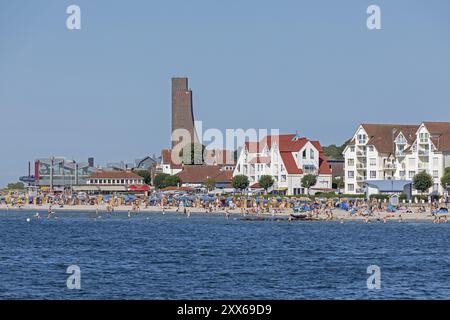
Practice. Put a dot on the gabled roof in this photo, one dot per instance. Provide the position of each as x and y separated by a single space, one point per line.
289 163
382 135
439 134
285 142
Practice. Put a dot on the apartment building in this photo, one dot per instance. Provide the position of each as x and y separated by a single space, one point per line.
396 152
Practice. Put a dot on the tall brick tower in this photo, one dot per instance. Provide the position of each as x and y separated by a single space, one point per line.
182 110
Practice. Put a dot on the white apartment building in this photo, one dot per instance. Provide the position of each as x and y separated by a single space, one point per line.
396 152
287 158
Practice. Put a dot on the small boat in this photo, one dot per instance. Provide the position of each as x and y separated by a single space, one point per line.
300 217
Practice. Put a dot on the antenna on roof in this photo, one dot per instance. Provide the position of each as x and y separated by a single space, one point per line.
296 137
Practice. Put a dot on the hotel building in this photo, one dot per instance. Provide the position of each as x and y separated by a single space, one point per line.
396 152
287 158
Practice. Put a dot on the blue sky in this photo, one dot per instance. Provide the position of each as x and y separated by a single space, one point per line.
311 66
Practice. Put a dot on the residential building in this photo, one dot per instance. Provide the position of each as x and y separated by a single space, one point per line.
396 152
287 158
169 166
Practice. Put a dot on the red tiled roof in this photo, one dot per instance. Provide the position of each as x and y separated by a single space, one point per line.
255 186
172 188
289 163
285 142
199 173
115 175
324 167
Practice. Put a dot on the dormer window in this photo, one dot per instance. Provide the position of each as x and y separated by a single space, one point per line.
423 137
400 139
362 138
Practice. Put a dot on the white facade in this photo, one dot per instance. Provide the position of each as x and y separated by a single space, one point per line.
270 158
408 156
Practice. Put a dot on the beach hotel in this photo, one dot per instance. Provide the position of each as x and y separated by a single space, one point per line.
287 158
384 158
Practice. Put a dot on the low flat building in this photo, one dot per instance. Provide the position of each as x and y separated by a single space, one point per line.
59 173
196 175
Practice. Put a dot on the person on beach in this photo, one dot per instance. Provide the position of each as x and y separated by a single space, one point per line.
49 212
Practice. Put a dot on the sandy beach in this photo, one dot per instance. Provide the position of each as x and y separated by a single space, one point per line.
338 214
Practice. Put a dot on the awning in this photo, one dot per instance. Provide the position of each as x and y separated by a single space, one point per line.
389 185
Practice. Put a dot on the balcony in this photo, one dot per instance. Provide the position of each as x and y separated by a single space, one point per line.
361 178
400 153
361 166
361 154
424 152
389 166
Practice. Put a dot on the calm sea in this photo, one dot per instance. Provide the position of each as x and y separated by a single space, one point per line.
155 256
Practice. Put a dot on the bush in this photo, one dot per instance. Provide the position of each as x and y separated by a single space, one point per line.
422 181
379 197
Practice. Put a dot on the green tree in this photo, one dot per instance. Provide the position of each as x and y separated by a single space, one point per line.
240 182
193 153
422 181
15 186
159 180
335 152
445 180
338 183
447 171
210 184
266 181
172 181
308 181
144 174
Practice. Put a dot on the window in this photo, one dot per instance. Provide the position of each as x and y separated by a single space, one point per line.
361 138
411 174
371 148
373 162
311 153
283 178
423 137
373 174
351 162
352 149
402 174
351 174
304 154
351 187
435 173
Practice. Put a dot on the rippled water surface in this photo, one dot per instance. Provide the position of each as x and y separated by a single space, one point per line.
155 256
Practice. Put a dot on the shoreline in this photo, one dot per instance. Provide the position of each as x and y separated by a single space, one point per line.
338 214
